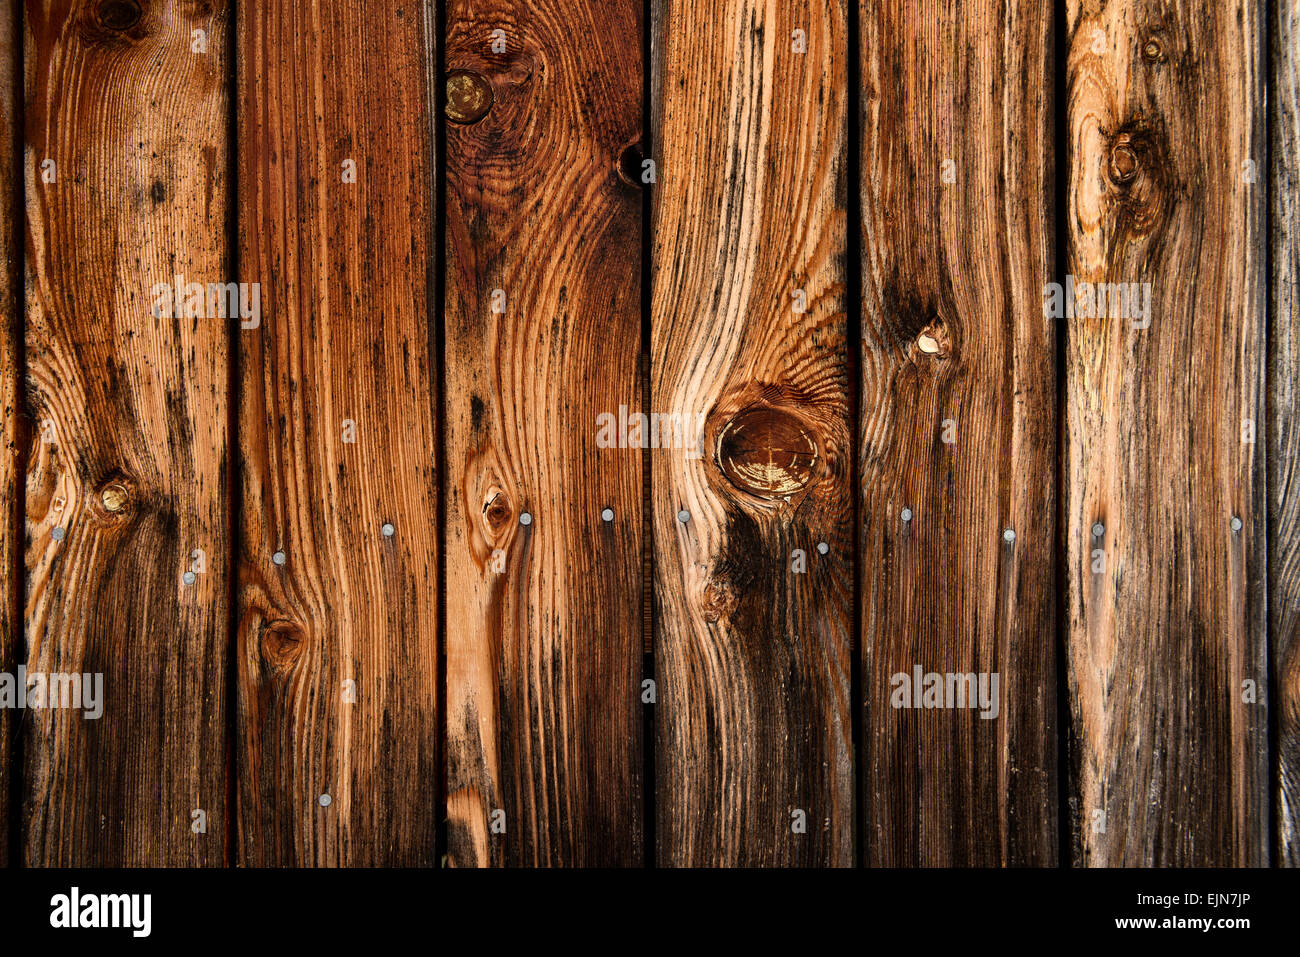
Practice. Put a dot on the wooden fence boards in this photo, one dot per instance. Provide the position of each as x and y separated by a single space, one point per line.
872 394
542 337
1166 594
958 432
748 328
1283 427
11 278
338 604
127 464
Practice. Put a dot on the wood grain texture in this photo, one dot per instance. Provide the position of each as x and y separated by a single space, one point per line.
1164 110
127 461
958 432
11 293
752 651
543 619
338 645
1284 419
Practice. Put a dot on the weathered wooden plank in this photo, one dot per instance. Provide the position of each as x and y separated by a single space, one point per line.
753 540
542 337
958 434
125 166
1164 504
1284 419
11 278
337 631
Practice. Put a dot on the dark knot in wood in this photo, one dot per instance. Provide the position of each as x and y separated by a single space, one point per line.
767 452
282 644
118 15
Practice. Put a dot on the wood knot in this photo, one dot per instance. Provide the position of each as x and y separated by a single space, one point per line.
767 452
497 513
718 600
115 499
1153 50
934 340
469 96
282 644
1124 164
118 15
630 163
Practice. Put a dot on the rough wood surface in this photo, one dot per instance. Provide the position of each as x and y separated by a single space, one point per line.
127 459
1166 178
11 278
753 622
958 432
543 619
337 645
1284 420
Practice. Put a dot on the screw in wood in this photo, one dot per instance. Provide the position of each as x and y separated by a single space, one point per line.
683 516
905 514
324 800
1009 535
188 578
388 530
278 558
525 518
469 96
1235 523
607 514
823 548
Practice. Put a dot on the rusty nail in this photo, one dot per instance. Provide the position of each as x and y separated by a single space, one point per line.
469 96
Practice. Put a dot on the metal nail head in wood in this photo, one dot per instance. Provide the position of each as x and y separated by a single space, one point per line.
823 548
1235 523
324 800
525 518
683 516
278 558
607 514
388 530
1009 535
188 578
905 514
1098 530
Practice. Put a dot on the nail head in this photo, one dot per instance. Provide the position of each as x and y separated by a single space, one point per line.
278 558
823 547
1098 529
906 515
1235 523
188 578
525 518
1009 535
388 529
57 533
683 516
607 514
325 800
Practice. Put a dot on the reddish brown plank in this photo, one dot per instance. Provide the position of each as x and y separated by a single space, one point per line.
753 620
543 594
337 633
125 169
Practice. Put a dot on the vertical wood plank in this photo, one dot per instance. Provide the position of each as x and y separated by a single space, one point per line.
753 620
543 595
958 434
1284 419
337 630
126 473
11 277
1165 590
